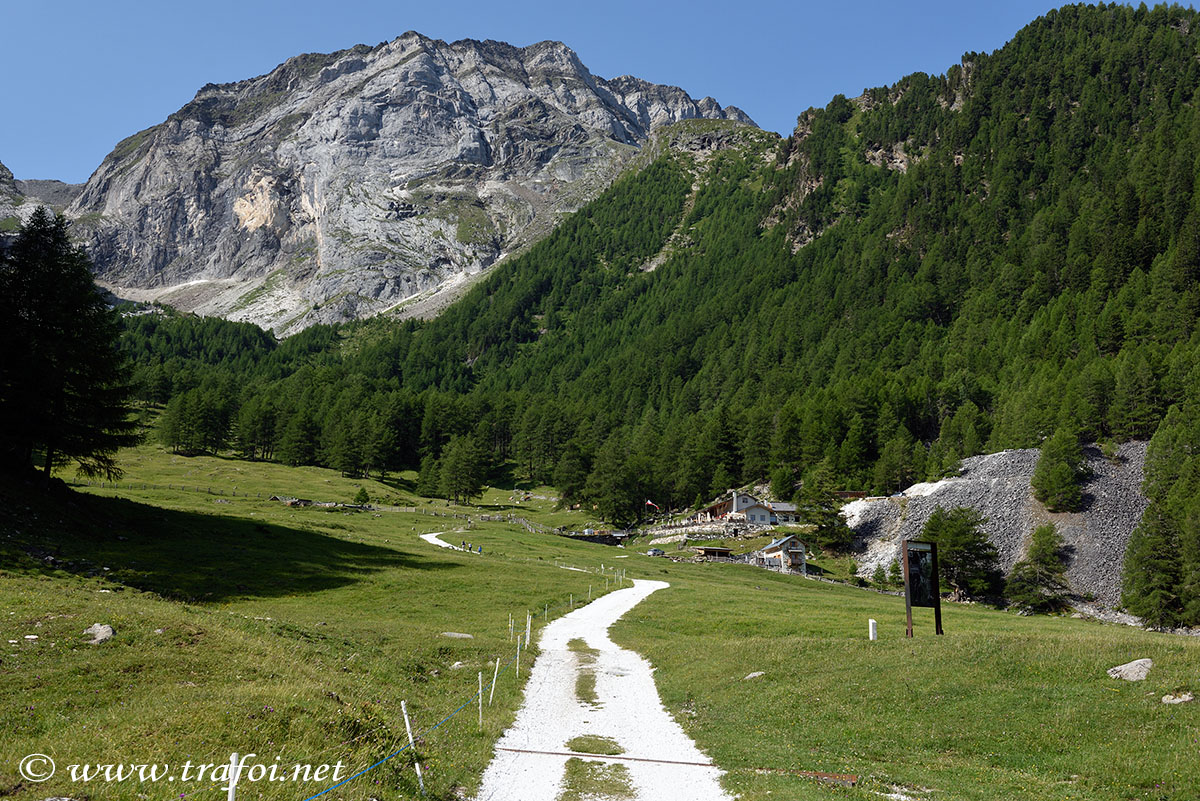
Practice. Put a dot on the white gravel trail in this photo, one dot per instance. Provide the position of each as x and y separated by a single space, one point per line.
628 710
433 539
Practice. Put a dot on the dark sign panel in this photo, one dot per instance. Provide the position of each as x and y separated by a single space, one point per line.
920 576
919 560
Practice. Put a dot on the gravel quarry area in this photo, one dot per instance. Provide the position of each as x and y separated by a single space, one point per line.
661 761
997 485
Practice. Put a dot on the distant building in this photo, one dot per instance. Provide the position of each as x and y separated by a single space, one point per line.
741 506
714 552
785 513
786 554
759 513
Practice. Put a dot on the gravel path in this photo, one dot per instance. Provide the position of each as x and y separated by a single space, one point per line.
627 710
433 539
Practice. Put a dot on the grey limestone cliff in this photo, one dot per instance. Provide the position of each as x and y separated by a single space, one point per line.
343 185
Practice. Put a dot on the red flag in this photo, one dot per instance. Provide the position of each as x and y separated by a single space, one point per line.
652 503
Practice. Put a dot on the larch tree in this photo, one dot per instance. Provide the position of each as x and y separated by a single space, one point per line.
64 389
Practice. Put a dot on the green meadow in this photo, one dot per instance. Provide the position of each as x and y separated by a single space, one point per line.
246 625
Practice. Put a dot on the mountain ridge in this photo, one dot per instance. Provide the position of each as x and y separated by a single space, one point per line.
339 185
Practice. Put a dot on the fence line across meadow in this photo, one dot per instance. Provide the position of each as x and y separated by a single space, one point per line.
528 525
522 640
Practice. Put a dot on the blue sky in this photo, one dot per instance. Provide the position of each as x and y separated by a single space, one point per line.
80 75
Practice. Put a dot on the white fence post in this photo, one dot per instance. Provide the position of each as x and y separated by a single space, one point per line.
518 657
233 776
872 629
412 745
495 676
481 700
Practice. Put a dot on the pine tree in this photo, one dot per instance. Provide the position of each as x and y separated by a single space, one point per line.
1060 469
783 483
1038 582
614 484
966 559
429 477
1151 578
64 386
298 443
570 474
818 506
464 466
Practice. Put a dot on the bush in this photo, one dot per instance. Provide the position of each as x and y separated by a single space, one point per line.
361 497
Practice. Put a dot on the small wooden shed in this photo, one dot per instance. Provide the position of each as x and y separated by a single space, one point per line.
713 551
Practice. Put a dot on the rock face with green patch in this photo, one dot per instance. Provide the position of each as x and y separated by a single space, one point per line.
409 165
19 199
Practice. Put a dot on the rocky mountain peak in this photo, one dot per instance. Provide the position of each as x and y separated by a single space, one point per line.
340 185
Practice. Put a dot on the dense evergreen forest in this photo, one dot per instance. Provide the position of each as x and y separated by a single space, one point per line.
951 265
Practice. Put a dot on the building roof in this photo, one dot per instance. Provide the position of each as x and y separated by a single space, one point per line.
703 548
780 542
783 507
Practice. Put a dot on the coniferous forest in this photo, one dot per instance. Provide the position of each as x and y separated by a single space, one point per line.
992 258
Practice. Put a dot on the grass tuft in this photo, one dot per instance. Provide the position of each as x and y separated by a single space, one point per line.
595 744
595 781
585 680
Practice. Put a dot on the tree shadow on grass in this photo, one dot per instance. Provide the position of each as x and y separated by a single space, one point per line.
185 556
509 508
395 482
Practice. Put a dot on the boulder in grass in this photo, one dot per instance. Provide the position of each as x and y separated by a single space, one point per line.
458 635
1136 670
1178 698
756 674
100 632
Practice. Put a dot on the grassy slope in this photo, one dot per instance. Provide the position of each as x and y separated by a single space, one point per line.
296 633
1000 707
292 632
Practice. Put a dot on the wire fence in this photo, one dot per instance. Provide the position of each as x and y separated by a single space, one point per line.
529 525
521 636
614 578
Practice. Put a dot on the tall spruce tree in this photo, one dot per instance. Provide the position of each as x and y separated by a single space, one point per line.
1060 470
967 561
1038 582
818 506
64 391
464 467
